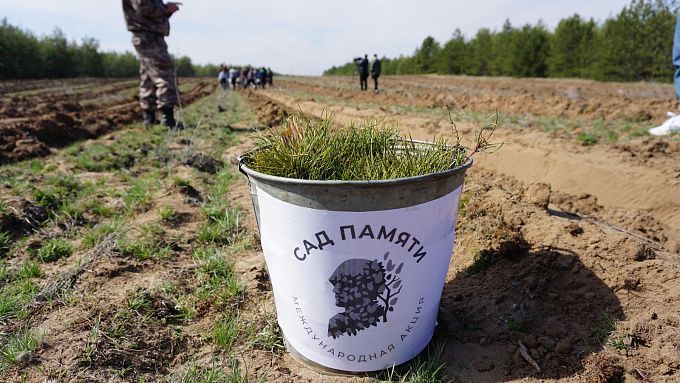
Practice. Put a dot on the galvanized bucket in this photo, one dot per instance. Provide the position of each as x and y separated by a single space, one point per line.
357 267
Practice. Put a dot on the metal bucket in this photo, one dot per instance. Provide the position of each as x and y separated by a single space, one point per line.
357 267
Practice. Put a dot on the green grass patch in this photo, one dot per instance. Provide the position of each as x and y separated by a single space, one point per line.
220 186
369 150
148 244
513 324
14 345
166 213
462 207
423 369
126 151
37 166
181 182
53 249
587 139
266 335
5 272
624 342
138 197
146 249
219 282
225 332
217 374
222 226
14 296
5 243
606 333
140 300
28 270
96 235
605 328
59 192
98 208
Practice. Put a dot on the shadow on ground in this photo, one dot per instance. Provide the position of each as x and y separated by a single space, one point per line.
544 298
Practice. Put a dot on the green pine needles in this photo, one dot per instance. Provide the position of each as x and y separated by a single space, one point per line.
316 149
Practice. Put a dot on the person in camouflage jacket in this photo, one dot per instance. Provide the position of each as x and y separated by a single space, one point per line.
148 20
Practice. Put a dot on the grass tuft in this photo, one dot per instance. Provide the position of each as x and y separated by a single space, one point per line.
5 242
54 249
15 345
222 226
218 280
587 139
605 328
18 288
422 369
217 374
268 337
97 234
145 249
29 270
166 213
226 331
138 197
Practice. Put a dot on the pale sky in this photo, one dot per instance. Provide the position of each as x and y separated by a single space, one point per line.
298 36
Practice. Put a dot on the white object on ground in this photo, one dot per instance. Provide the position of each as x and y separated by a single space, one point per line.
672 125
358 291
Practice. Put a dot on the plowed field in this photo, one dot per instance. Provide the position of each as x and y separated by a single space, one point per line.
133 255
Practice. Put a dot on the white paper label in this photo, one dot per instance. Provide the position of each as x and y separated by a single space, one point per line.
358 291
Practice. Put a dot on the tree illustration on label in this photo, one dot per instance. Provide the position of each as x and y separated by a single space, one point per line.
368 292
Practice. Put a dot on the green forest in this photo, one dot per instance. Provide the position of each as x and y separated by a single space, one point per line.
24 55
634 45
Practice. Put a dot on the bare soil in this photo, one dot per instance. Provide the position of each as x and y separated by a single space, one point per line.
567 235
566 264
33 123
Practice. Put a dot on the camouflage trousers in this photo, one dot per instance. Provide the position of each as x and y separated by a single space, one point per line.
157 90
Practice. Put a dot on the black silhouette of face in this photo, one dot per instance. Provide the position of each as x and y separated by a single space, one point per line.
357 282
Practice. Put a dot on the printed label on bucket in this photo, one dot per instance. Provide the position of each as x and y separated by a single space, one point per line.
358 291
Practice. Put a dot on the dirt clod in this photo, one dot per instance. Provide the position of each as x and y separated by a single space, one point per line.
600 369
21 216
204 163
484 365
538 194
644 253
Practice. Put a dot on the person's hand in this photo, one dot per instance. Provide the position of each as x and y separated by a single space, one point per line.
172 7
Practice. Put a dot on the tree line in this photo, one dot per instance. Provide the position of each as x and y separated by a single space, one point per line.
24 55
634 45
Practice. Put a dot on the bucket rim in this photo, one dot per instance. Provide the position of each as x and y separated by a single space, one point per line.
243 168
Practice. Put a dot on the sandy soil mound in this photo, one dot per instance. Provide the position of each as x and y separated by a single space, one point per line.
580 99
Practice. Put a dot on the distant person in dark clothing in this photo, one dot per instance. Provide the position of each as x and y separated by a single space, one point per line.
261 77
362 63
250 78
375 71
270 77
244 77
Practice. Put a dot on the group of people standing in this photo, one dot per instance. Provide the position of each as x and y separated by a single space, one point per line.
363 66
245 77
